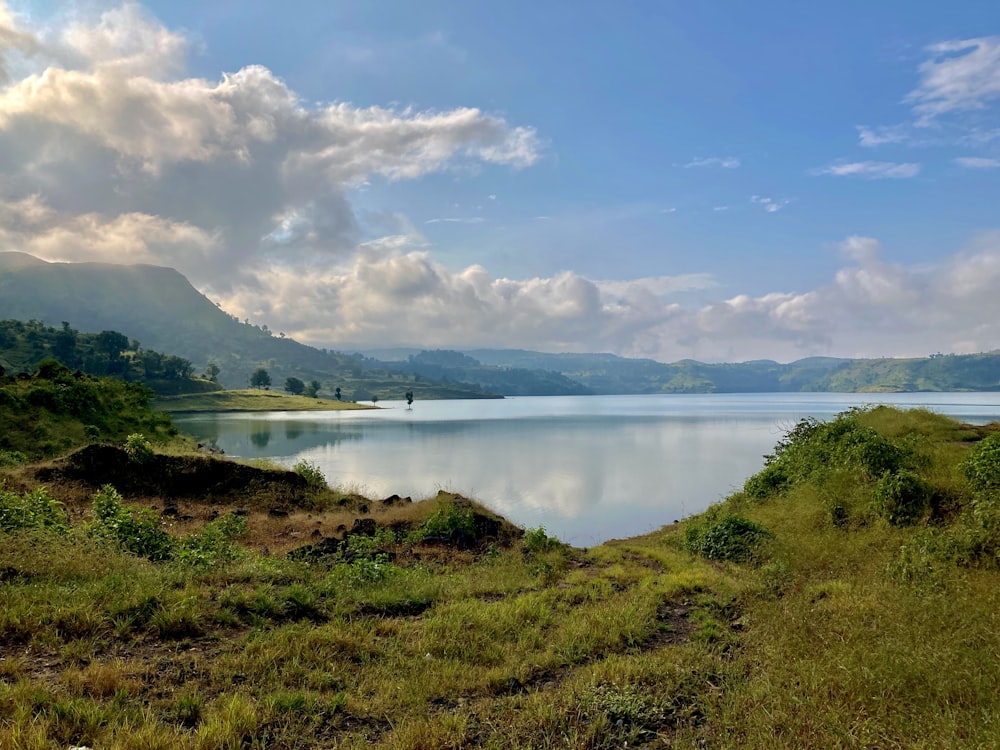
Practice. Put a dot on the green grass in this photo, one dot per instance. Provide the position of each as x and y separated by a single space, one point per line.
250 400
839 628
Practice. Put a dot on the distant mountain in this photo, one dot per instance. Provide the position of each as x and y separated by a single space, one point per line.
449 366
608 373
160 308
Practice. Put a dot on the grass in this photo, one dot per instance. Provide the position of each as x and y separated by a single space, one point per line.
843 628
252 399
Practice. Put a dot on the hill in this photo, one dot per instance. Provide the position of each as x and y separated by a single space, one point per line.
160 308
608 373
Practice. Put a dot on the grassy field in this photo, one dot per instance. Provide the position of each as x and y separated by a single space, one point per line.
251 400
848 597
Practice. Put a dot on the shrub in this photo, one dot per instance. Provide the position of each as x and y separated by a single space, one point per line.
32 510
731 537
139 449
136 531
12 458
770 480
450 520
982 466
901 497
311 473
536 540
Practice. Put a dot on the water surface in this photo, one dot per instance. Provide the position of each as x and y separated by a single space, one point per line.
587 468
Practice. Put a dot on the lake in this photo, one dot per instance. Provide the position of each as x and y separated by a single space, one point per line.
587 468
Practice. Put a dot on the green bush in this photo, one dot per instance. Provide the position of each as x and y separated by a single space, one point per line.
732 538
139 449
136 531
12 458
311 473
901 497
536 541
32 510
982 466
770 480
450 520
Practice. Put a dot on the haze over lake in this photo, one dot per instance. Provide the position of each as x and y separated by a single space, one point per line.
587 468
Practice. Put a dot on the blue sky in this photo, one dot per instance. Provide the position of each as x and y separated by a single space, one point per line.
719 180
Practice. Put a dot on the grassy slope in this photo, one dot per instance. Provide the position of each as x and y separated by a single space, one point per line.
845 631
251 400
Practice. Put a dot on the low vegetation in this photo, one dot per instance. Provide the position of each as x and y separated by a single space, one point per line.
847 597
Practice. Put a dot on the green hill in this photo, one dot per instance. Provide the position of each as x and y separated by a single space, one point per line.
160 308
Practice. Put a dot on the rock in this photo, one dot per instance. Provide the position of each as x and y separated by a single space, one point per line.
364 526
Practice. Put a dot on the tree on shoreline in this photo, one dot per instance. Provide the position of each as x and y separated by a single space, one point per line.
260 379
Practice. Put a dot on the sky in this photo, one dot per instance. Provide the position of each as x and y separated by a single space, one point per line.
721 181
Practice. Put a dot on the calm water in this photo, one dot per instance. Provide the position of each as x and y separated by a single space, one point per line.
587 468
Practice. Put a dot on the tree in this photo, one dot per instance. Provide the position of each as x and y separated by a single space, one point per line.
374 400
212 372
337 393
409 399
260 379
312 390
294 385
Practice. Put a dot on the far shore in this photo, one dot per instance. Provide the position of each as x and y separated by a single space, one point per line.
250 400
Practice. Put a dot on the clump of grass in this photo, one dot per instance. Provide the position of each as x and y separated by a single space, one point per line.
214 544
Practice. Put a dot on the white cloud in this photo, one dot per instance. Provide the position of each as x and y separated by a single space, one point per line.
720 208
977 162
871 170
870 137
471 220
960 76
870 307
769 204
104 127
725 162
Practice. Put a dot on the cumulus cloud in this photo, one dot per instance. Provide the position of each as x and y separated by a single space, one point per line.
871 170
870 307
224 175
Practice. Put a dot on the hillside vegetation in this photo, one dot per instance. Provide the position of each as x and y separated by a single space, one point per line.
25 345
848 596
56 410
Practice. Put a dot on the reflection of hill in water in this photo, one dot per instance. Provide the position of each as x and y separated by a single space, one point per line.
260 438
265 437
